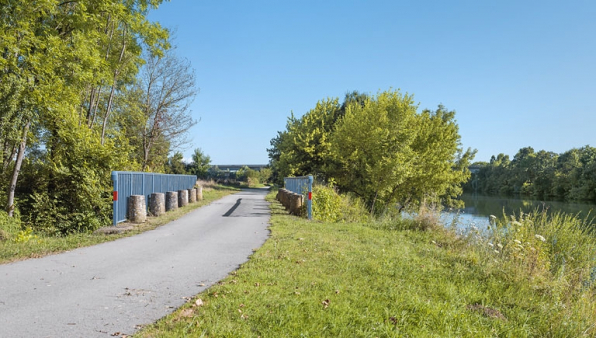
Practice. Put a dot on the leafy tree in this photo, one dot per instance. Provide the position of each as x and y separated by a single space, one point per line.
304 148
386 152
64 66
200 164
176 164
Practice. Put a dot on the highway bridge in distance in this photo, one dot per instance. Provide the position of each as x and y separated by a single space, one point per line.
236 167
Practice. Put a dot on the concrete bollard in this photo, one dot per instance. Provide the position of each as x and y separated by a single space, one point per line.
192 195
200 193
182 198
136 209
286 199
282 197
171 200
157 204
296 203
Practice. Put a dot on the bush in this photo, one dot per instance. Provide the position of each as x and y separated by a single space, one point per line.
329 206
9 226
326 204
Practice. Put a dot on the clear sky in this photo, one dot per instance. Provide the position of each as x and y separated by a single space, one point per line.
518 73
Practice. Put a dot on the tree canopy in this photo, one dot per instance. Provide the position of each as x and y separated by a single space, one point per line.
377 147
73 105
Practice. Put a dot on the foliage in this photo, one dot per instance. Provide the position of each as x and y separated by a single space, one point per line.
9 226
73 108
304 147
254 178
570 175
379 148
70 182
326 204
176 165
200 164
330 206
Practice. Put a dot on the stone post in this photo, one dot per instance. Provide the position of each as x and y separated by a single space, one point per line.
200 193
285 198
182 198
192 195
136 209
157 204
171 200
295 203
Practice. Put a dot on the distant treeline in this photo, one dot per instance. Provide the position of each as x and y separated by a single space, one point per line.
543 174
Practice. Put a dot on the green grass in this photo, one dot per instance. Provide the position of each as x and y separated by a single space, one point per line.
35 246
313 279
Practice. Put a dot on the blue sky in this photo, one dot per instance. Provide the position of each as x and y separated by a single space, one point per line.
518 73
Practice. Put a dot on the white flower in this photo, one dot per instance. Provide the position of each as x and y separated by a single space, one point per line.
540 238
490 244
516 223
492 216
496 251
517 241
500 245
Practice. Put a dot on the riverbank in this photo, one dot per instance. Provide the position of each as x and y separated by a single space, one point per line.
316 279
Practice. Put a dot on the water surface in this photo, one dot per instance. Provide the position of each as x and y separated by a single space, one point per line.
478 209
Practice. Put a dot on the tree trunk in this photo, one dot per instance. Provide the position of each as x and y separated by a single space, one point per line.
110 100
15 172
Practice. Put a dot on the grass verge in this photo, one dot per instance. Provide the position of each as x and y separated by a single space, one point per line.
313 279
28 245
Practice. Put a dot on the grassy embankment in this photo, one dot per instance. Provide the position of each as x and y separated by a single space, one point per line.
31 245
400 279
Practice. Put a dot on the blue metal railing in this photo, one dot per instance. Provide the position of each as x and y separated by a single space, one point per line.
301 185
128 183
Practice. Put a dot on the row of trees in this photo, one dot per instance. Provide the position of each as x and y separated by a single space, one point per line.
570 175
86 87
379 148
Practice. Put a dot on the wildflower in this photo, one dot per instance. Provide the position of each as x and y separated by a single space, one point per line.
516 223
540 238
490 244
517 241
496 251
492 217
500 245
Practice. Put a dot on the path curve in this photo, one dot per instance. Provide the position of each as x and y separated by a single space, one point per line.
118 286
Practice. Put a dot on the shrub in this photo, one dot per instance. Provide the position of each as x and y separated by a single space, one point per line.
9 226
326 204
329 206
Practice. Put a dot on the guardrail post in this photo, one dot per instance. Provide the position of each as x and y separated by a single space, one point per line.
115 198
309 197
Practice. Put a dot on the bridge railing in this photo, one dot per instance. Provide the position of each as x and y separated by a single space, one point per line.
301 185
128 183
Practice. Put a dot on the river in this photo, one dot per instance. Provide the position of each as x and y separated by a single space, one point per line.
478 209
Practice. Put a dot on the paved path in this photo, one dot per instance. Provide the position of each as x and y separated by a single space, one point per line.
115 287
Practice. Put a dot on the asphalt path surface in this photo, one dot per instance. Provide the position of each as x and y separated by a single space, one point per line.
116 287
